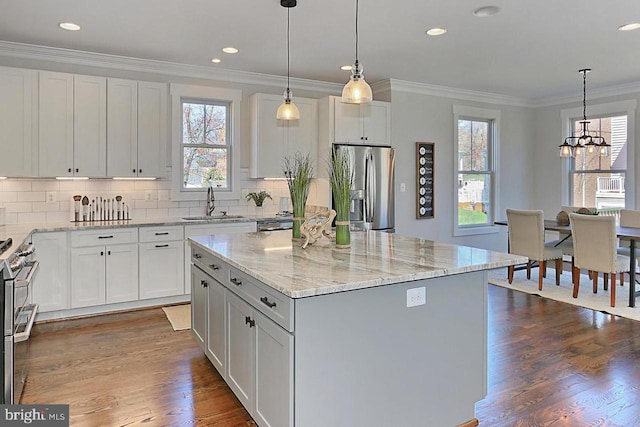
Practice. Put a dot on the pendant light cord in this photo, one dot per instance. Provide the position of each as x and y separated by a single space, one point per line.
288 52
357 31
584 95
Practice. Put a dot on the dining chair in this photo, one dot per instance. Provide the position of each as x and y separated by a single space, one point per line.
595 245
526 238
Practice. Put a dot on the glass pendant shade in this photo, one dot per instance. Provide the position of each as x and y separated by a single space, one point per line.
288 110
357 90
565 150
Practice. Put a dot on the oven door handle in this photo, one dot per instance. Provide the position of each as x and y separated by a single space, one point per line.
19 282
24 335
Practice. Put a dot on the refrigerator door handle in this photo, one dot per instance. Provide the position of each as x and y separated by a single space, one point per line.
370 190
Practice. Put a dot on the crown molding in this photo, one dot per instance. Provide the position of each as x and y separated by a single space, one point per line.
455 93
75 57
605 92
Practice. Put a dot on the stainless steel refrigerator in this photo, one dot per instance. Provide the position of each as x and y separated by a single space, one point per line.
372 189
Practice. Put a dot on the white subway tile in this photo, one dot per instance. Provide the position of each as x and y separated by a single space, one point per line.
32 196
137 213
61 216
178 212
76 187
45 207
145 204
9 196
119 185
16 185
167 204
189 204
29 217
145 185
18 207
98 185
10 218
45 185
157 213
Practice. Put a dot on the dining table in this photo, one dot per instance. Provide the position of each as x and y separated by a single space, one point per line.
632 234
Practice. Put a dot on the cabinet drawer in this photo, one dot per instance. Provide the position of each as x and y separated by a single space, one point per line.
157 234
107 236
270 302
210 264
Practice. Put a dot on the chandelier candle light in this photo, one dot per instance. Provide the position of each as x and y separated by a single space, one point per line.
357 90
288 110
574 145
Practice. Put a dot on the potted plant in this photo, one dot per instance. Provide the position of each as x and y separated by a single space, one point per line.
298 171
340 178
258 198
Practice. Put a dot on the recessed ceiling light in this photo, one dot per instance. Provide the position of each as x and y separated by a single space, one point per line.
216 60
629 27
346 68
436 31
70 26
230 50
486 11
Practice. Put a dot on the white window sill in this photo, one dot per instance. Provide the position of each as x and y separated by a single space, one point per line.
471 231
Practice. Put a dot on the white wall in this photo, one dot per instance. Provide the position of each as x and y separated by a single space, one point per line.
426 118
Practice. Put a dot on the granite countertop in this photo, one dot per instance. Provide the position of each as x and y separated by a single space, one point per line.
374 259
19 233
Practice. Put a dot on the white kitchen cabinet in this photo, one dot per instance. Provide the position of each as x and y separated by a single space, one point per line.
104 266
51 289
273 139
216 346
368 123
17 87
205 230
72 125
137 118
199 306
241 346
161 262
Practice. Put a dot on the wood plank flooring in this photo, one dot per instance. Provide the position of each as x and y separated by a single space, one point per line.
550 364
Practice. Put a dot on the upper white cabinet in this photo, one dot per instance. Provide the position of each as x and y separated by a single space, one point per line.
16 111
273 139
368 123
72 125
136 123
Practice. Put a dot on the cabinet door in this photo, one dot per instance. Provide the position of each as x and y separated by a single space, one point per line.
274 374
199 305
55 124
376 117
240 344
152 130
122 127
90 126
87 276
302 134
51 284
216 348
347 122
268 143
122 273
15 126
161 269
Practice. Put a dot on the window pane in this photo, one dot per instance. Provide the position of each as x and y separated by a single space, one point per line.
473 137
473 199
201 164
614 131
599 190
204 124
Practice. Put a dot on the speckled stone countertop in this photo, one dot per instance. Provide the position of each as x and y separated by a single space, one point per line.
374 259
19 233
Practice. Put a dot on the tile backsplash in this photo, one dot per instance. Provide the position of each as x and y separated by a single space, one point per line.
50 200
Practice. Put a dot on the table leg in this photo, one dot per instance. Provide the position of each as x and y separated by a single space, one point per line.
632 273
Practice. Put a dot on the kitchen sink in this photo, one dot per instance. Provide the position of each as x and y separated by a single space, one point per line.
210 217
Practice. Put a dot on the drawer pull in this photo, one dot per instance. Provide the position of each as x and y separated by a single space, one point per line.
214 267
105 237
162 246
166 233
197 256
266 302
249 321
235 281
203 283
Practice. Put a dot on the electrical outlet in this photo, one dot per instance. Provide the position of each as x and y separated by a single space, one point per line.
51 197
403 187
148 195
164 195
416 296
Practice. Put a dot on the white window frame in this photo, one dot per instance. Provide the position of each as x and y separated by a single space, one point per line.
628 108
187 93
462 112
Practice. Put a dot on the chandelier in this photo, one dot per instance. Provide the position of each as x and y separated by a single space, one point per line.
576 145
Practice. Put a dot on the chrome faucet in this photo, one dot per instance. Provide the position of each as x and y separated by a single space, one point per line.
211 199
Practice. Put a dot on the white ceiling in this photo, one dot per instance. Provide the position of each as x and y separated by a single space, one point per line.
532 49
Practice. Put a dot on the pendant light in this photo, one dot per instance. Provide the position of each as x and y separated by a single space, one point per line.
288 110
575 145
357 91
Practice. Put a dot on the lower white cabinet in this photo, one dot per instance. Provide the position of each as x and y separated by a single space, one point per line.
51 284
241 344
161 269
104 275
216 347
199 306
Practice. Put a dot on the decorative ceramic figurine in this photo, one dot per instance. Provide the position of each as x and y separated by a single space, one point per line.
316 226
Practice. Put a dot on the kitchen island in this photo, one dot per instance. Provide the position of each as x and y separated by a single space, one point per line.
389 332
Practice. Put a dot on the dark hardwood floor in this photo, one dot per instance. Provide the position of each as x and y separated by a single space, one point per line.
550 364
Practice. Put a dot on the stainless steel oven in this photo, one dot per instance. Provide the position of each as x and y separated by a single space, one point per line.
18 315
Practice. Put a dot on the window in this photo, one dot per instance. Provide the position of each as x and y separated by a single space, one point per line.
204 132
604 183
476 131
205 144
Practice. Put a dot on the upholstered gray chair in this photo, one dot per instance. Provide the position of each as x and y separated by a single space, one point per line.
595 245
526 238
